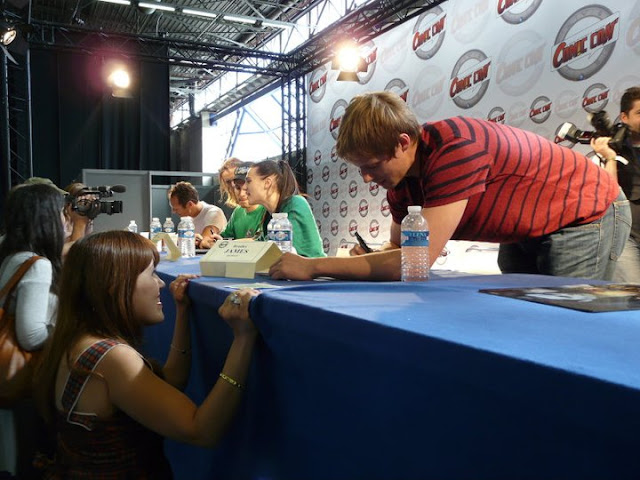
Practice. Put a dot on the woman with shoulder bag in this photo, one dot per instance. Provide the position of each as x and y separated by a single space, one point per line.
33 239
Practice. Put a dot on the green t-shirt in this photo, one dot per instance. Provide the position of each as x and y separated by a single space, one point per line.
306 238
243 224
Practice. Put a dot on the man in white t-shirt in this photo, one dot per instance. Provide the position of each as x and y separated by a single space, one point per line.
208 219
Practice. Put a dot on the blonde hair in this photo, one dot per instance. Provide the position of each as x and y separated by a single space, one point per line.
372 124
227 194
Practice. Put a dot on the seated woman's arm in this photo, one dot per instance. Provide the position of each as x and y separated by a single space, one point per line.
306 238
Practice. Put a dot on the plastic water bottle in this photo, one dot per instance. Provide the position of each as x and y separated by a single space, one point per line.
415 246
270 235
155 227
282 231
169 228
132 226
187 237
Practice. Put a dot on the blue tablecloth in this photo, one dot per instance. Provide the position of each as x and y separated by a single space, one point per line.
355 380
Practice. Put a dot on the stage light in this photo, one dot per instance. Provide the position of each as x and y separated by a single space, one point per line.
120 80
8 34
349 61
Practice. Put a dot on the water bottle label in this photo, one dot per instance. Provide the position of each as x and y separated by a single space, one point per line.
282 235
412 238
155 230
168 230
186 233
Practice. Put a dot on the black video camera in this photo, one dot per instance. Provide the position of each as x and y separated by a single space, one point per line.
89 202
602 128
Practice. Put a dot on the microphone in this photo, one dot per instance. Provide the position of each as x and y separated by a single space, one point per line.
113 188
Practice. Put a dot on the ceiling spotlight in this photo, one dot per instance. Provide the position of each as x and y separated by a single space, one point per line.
120 78
120 82
349 61
7 35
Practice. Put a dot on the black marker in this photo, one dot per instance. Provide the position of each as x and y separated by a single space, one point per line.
362 243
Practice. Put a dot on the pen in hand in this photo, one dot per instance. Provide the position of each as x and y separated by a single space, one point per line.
363 244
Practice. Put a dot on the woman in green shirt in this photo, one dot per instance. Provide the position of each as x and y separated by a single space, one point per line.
273 185
246 219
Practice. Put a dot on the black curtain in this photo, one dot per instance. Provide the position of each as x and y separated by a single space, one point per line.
78 123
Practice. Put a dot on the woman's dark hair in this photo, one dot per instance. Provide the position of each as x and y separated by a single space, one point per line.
285 178
96 298
32 223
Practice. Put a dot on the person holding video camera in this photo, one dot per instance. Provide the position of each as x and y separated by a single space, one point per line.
624 165
76 224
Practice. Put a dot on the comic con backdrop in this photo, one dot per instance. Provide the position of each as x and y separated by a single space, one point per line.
532 64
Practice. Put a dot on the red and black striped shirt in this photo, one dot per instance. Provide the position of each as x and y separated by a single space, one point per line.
518 184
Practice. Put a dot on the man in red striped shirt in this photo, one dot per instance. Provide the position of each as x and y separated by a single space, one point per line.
552 210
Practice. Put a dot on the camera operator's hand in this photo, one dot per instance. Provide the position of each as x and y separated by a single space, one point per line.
601 146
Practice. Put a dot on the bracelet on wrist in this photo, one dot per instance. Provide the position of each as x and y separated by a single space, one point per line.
231 381
182 351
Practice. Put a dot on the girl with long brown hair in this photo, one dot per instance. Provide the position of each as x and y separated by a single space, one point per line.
110 407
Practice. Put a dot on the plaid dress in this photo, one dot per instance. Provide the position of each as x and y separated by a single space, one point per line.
92 448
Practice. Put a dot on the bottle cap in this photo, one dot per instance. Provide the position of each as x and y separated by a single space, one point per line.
168 219
155 219
414 209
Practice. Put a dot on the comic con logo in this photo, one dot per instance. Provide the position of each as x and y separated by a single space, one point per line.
334 190
520 63
317 157
326 245
334 154
353 189
595 98
496 115
470 79
318 84
317 192
468 18
518 113
344 209
398 87
344 170
428 33
374 189
326 209
337 112
374 228
363 208
585 42
540 109
566 104
369 53
353 227
334 227
429 90
309 176
517 11
385 209
325 173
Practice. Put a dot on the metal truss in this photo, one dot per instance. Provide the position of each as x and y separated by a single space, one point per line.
294 125
174 52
